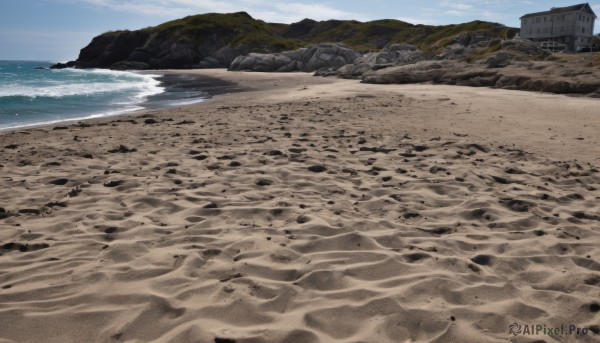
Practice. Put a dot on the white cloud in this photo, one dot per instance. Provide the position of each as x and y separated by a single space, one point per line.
417 20
268 10
476 8
455 13
162 8
459 6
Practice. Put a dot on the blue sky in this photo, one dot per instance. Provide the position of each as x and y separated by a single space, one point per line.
56 29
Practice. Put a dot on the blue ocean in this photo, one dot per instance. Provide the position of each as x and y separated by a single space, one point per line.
31 94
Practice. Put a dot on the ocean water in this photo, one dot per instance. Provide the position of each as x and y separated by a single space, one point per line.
30 96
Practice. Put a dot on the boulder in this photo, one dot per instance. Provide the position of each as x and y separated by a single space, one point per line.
453 52
328 55
502 59
392 55
325 55
70 64
424 71
261 62
227 54
398 54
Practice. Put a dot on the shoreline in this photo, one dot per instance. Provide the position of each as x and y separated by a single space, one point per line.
553 136
305 210
178 89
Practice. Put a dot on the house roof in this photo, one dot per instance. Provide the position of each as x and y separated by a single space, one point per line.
559 10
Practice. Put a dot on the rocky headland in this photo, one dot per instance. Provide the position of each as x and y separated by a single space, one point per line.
216 40
479 54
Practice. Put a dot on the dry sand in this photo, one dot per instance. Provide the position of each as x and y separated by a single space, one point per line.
308 210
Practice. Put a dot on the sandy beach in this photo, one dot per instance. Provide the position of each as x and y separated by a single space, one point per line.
307 210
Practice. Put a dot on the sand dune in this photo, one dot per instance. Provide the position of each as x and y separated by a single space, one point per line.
308 210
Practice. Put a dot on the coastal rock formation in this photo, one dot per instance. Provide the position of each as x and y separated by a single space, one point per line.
510 64
186 43
70 64
393 55
284 61
502 59
328 55
107 49
325 55
215 40
424 71
467 45
464 48
543 76
532 50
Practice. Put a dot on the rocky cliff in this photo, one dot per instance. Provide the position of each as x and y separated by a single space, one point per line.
216 40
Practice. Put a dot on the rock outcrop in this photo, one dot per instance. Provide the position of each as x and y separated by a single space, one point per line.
203 41
542 76
509 64
138 50
279 62
70 64
393 55
325 55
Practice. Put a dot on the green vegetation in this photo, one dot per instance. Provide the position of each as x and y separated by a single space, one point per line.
373 35
240 29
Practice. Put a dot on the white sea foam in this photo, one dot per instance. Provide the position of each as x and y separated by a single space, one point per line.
31 97
78 82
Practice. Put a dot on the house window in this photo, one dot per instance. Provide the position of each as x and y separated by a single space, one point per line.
580 17
583 30
544 19
538 31
538 20
588 19
563 17
530 31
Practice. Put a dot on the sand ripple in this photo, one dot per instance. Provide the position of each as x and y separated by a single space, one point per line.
303 222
